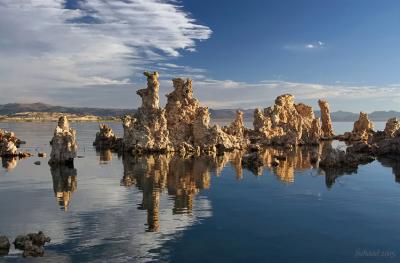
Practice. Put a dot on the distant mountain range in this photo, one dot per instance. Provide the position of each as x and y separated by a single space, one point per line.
13 108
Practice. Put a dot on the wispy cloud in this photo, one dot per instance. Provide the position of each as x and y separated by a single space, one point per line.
305 46
44 45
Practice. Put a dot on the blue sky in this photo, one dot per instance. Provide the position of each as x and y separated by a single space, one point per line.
239 54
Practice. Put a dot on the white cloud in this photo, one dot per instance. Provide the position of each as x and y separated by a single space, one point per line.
306 46
44 46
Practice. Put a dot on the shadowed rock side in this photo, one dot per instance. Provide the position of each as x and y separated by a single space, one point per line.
106 139
63 144
64 183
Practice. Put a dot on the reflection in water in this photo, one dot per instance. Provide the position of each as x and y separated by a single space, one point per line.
105 156
394 163
183 178
64 183
9 163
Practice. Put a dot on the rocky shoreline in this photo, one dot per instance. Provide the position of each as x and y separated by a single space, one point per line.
53 116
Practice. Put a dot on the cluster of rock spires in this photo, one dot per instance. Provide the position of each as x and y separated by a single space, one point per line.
31 244
183 126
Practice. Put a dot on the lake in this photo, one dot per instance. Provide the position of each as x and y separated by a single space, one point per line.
110 208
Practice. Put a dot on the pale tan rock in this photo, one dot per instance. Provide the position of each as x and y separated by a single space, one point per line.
181 111
326 122
63 144
147 131
189 124
286 123
363 128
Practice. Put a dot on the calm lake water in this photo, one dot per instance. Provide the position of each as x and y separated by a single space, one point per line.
110 208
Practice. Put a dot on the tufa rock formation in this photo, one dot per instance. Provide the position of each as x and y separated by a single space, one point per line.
32 244
326 122
9 144
181 109
106 139
63 144
392 128
362 130
286 124
147 130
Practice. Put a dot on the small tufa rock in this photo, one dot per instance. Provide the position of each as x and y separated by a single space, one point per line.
32 244
106 139
37 163
392 128
4 245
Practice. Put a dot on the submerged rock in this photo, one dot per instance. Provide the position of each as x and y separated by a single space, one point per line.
326 122
32 244
63 144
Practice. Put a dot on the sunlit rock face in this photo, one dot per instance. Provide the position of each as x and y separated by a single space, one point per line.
189 124
8 144
286 124
326 122
64 183
106 139
181 111
63 144
147 130
362 130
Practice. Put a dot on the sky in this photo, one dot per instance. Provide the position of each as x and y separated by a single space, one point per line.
240 54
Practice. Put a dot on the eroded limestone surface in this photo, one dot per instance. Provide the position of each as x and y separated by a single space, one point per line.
326 122
363 130
63 144
147 130
286 124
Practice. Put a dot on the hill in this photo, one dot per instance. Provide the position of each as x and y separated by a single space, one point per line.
14 108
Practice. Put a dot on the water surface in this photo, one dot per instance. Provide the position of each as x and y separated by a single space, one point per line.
110 208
